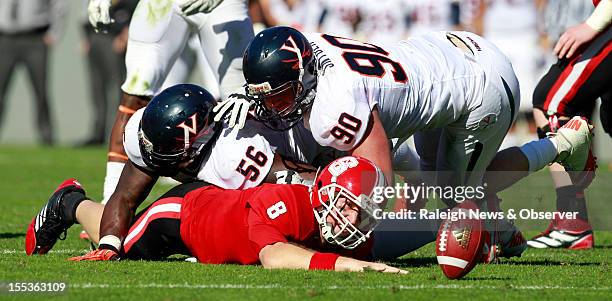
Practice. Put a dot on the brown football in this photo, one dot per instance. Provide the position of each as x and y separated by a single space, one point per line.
459 244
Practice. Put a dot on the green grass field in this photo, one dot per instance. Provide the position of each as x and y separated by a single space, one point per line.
29 175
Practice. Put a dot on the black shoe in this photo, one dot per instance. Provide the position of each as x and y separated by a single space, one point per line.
51 223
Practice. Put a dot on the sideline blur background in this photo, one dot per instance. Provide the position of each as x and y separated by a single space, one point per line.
69 91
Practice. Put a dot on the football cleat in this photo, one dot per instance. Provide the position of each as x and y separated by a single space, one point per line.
573 141
503 238
505 241
573 234
50 224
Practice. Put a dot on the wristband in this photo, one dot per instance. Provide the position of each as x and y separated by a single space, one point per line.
323 261
601 16
111 242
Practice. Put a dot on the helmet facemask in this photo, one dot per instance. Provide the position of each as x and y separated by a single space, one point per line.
343 232
282 107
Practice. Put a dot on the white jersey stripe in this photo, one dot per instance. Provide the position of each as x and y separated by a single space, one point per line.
171 207
568 83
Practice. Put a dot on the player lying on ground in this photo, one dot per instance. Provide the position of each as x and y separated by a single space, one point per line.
393 240
570 88
272 224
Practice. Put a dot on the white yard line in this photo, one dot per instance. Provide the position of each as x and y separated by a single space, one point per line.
57 251
229 286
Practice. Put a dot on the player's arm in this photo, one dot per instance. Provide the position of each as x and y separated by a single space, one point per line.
577 36
284 255
375 147
134 185
288 169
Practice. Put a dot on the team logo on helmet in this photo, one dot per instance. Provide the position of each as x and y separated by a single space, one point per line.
193 129
341 165
290 45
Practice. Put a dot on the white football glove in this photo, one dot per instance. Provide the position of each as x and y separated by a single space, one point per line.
240 105
290 177
190 7
99 12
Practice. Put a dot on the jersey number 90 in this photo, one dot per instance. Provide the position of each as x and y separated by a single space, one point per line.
367 59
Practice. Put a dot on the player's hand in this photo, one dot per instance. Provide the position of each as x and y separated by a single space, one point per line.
190 7
353 265
99 13
382 268
97 255
240 106
573 38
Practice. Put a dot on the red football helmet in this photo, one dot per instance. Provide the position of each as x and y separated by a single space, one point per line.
348 183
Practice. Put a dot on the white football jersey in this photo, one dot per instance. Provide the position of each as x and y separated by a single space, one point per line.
421 83
240 153
238 159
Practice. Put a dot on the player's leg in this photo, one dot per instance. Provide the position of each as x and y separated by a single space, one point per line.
570 88
153 47
394 238
155 234
224 35
605 115
7 66
35 58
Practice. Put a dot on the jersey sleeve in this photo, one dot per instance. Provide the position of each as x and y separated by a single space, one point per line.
280 213
130 139
339 115
238 160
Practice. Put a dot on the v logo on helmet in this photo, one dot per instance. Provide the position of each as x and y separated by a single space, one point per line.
290 45
189 129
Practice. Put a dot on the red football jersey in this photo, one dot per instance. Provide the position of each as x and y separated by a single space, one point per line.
232 226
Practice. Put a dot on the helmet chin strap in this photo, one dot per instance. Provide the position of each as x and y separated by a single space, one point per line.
326 232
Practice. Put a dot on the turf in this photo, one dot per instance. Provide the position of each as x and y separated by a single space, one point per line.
28 175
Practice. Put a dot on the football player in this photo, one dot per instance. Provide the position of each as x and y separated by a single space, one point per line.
278 226
570 88
457 91
176 136
157 35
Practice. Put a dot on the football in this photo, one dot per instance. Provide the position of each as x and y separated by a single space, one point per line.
459 244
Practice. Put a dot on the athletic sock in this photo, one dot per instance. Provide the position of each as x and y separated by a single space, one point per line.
70 202
570 199
539 153
113 172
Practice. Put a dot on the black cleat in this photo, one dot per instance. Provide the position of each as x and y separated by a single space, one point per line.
51 223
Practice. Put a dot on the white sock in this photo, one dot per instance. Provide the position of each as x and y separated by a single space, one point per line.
113 172
539 153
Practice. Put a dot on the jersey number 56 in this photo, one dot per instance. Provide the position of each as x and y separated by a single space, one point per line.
252 170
